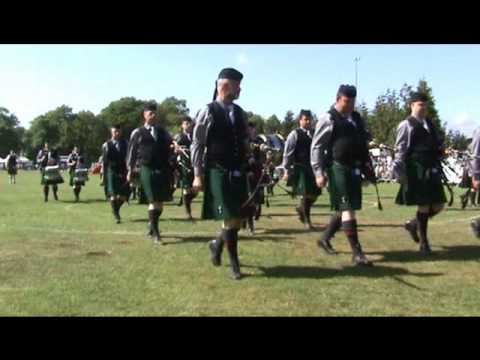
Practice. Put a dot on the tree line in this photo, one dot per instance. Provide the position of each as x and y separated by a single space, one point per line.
63 129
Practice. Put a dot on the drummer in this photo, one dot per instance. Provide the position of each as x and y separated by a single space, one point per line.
80 177
48 162
185 180
72 163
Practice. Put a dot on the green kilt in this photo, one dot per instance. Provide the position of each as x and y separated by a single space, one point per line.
224 195
185 180
45 180
424 186
303 181
71 172
116 183
12 171
157 184
345 187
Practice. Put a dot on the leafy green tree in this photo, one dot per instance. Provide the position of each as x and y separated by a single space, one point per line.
289 123
258 120
456 140
53 127
385 117
10 132
273 125
125 112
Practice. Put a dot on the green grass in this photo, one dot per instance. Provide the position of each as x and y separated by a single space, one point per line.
63 258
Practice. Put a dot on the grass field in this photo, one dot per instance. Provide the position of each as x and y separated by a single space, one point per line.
63 258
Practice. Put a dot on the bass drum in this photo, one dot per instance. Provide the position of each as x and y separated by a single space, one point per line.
276 145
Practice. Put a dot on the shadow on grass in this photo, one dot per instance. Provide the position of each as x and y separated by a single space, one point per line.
313 214
299 230
89 201
381 225
313 272
458 209
242 238
290 205
449 253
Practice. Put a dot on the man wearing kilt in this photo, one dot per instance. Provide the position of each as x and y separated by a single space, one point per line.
184 141
11 161
339 156
72 163
475 150
417 167
114 155
45 159
299 173
220 152
149 156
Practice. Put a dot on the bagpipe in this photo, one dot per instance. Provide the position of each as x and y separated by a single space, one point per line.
266 175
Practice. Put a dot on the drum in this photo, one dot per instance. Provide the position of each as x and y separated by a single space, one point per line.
80 177
51 175
275 146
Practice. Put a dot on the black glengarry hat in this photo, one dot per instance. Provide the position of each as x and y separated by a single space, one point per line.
418 96
349 91
227 73
306 113
149 107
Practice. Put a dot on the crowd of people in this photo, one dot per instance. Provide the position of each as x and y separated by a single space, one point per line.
220 154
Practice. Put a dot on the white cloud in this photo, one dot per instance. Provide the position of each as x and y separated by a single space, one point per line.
242 59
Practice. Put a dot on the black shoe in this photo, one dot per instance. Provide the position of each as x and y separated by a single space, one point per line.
235 269
411 227
425 249
236 275
150 231
216 253
301 214
309 225
327 247
361 260
118 220
475 225
463 201
157 240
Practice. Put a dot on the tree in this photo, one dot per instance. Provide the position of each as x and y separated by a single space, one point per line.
53 127
272 125
432 112
126 113
363 111
456 140
289 123
385 117
10 132
89 133
170 111
258 120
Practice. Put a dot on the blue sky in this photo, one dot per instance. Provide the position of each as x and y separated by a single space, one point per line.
37 78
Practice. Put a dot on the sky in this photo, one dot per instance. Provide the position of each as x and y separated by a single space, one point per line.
35 79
